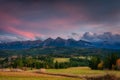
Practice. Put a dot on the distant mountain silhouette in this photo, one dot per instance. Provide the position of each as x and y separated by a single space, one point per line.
20 44
60 42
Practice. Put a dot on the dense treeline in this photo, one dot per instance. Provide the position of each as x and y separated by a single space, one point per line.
27 62
111 61
40 62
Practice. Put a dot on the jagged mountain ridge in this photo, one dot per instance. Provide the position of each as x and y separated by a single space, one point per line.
60 42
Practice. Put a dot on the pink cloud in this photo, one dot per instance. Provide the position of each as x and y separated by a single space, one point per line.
53 26
56 24
7 19
25 34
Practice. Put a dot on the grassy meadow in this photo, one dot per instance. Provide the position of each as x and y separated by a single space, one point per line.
30 75
67 59
75 71
83 71
61 59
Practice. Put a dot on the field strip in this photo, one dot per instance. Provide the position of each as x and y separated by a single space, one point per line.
64 75
84 77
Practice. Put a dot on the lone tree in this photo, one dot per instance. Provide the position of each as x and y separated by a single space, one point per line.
56 65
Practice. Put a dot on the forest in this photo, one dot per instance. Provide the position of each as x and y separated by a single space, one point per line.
110 61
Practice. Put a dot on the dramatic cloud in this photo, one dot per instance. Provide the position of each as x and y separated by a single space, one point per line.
107 36
36 19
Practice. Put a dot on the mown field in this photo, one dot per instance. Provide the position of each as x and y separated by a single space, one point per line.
67 59
84 71
30 75
61 59
76 71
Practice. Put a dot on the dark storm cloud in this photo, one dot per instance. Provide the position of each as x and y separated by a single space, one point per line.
51 18
99 11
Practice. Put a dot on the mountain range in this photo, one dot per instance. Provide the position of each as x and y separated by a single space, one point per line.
89 40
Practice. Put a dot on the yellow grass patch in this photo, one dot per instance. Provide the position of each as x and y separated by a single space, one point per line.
61 59
29 75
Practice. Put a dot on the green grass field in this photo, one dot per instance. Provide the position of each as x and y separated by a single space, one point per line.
77 71
29 75
67 59
34 78
61 59
86 71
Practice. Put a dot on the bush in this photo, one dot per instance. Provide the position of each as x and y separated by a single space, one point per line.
100 65
118 64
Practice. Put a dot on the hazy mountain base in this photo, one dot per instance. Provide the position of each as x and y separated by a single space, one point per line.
60 42
59 51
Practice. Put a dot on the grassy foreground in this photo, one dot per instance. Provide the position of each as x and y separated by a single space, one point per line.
83 71
32 75
29 75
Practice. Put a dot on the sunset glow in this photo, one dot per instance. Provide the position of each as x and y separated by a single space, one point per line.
43 19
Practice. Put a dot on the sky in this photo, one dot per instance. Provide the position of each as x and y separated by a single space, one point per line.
40 19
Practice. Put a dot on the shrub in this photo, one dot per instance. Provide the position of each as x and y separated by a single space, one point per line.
118 64
100 65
